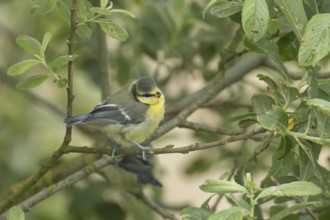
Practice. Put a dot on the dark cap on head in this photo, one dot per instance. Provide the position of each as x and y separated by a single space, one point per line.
145 84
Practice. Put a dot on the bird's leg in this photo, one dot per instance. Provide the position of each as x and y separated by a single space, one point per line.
142 148
114 148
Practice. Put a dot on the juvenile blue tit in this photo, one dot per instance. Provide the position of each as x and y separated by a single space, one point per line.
129 116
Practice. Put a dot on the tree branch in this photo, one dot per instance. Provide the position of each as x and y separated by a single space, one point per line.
204 95
201 127
17 197
168 149
103 63
65 183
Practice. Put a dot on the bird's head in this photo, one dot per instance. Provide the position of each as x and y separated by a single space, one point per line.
147 91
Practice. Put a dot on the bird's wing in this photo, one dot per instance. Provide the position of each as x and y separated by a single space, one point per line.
106 114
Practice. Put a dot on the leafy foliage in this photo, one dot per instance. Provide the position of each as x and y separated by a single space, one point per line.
191 40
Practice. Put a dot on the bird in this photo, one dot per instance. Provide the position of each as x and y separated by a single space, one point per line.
129 116
141 168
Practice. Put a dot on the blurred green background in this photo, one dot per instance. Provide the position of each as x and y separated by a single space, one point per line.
170 40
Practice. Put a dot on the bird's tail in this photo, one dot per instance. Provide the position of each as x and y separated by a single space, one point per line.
76 119
141 168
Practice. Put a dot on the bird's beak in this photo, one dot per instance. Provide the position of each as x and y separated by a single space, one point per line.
158 94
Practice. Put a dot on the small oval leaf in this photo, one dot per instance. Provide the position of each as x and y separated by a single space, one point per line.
287 211
316 43
221 187
113 30
43 6
298 188
192 213
122 11
45 42
32 81
61 83
101 11
21 67
233 213
61 61
255 17
29 44
226 9
322 104
15 213
84 31
263 103
277 119
104 3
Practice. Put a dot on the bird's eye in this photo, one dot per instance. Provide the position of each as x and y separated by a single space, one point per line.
147 95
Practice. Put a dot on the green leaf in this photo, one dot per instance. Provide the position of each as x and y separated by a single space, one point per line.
290 210
113 30
29 44
272 84
83 13
43 6
316 43
270 49
255 17
192 213
84 31
262 103
61 83
101 11
275 120
309 153
104 3
225 9
21 67
32 81
233 213
322 105
298 188
61 61
122 11
44 43
15 213
288 46
221 187
241 117
283 158
211 2
205 204
294 12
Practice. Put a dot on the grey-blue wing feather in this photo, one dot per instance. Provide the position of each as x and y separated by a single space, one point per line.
108 114
113 110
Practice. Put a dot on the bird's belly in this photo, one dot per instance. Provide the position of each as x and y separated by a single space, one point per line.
124 134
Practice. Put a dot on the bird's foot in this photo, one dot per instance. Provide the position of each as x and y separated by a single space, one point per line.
142 148
113 153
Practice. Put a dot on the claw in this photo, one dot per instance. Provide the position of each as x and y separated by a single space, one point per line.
142 148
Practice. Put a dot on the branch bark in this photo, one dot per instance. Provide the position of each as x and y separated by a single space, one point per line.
168 149
17 197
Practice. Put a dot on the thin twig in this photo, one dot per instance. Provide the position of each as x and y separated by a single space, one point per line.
208 92
103 58
168 149
17 197
201 97
65 183
201 127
